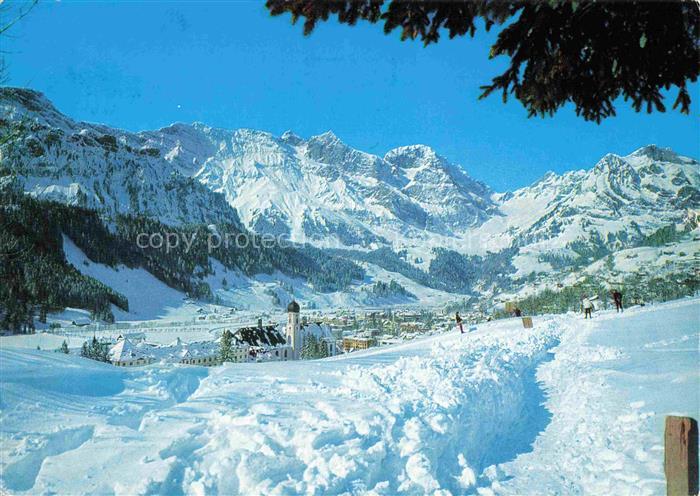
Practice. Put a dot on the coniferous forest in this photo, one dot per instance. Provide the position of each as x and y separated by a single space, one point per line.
37 279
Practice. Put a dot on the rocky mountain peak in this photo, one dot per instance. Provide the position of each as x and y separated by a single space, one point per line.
327 136
31 100
327 139
656 153
413 156
291 138
24 103
329 149
320 188
611 162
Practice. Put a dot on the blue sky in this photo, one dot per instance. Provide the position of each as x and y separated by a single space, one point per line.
143 66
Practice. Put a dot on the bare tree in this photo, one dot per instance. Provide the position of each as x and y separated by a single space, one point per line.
15 14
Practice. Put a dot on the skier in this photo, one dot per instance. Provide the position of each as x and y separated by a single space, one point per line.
587 307
617 297
518 312
459 323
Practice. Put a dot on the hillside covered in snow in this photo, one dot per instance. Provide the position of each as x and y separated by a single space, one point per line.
320 189
409 216
567 407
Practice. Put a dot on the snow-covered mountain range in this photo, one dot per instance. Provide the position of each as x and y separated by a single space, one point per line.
618 199
322 191
98 167
319 189
607 208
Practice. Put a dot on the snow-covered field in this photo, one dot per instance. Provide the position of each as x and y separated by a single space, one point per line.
246 294
568 407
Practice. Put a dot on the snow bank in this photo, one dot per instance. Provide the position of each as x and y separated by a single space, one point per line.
415 419
568 407
609 389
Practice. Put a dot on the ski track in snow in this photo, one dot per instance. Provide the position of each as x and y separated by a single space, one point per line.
449 414
340 429
609 389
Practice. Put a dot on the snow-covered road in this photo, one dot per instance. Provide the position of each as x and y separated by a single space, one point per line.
566 407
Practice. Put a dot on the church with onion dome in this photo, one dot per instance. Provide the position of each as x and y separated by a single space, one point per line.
298 331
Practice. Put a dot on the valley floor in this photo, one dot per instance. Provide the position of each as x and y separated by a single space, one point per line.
568 407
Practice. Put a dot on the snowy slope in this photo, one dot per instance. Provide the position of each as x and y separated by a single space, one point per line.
98 167
609 388
149 298
611 205
501 410
321 190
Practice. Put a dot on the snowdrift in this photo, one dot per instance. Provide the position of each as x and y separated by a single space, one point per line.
565 407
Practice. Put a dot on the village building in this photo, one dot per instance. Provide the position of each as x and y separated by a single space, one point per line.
204 353
407 316
189 358
410 327
125 354
264 343
240 353
249 344
388 339
298 333
354 343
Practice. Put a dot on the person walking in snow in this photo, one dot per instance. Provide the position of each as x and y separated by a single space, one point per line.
458 319
518 312
587 307
617 298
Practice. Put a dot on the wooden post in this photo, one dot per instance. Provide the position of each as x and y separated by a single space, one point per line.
527 322
681 456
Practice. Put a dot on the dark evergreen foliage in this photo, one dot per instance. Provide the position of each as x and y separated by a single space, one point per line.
321 268
96 350
391 261
453 268
33 269
313 348
36 276
226 346
463 272
585 53
381 289
636 289
31 284
666 234
448 271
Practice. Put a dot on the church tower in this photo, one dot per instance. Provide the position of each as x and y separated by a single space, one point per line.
294 329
